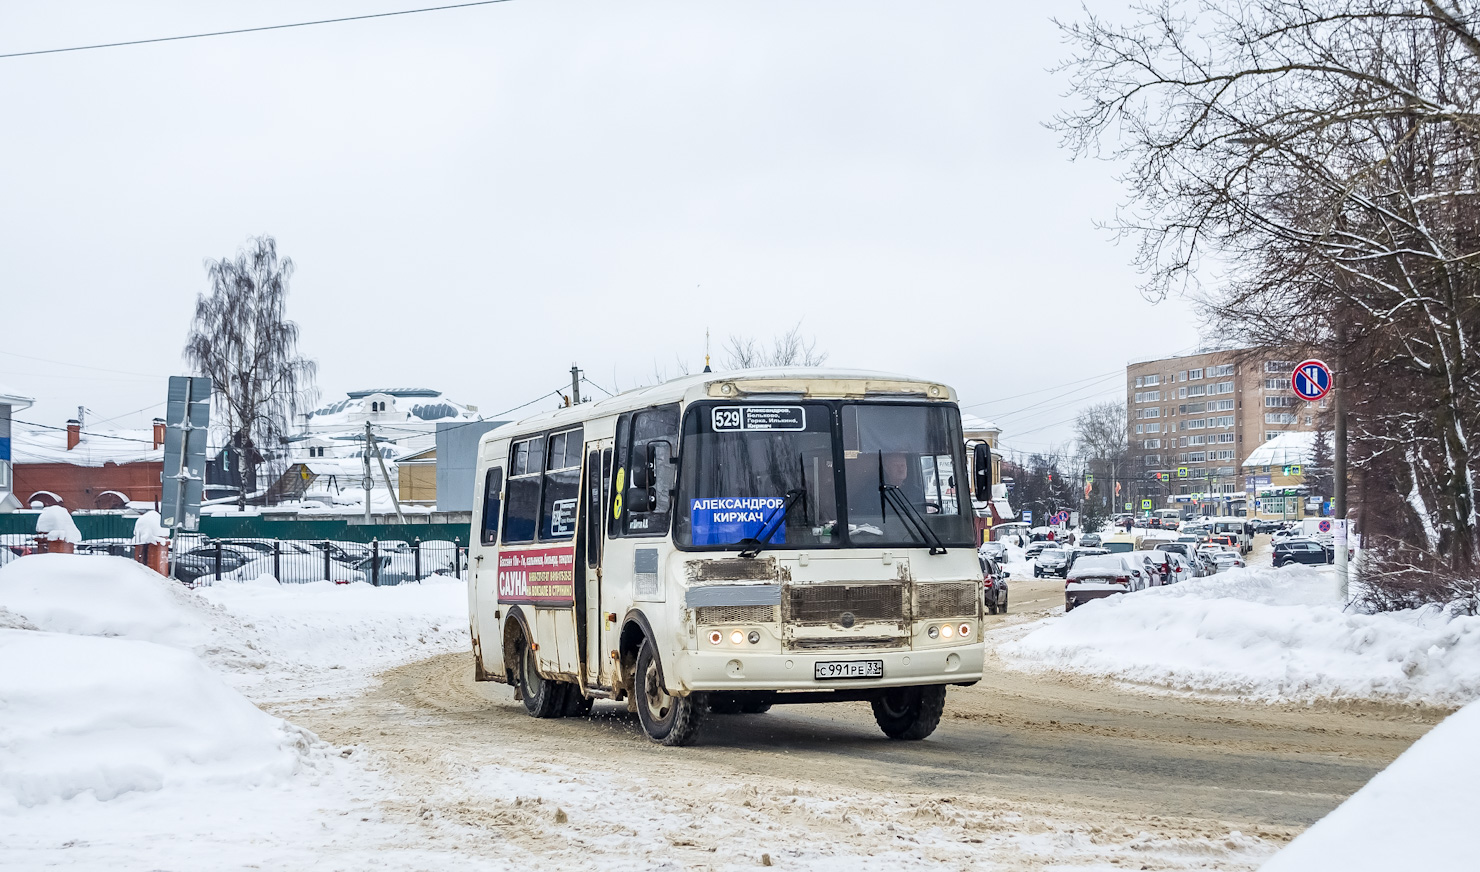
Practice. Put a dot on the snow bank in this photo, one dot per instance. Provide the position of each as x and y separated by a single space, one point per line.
1270 634
55 525
110 716
356 627
1416 814
94 595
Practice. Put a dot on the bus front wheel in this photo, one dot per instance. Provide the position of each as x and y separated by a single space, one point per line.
910 712
671 720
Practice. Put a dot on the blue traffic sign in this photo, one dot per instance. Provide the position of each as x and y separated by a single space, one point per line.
1312 380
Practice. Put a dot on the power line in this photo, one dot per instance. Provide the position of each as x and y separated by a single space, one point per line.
80 365
597 386
90 434
44 51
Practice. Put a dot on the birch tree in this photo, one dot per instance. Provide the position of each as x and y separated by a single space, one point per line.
241 339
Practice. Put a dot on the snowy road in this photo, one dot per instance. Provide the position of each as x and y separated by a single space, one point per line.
1024 767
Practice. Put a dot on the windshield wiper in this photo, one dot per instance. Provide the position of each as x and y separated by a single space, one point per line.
907 512
762 538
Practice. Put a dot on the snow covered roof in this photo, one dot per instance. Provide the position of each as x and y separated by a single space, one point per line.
31 443
14 400
1283 450
418 405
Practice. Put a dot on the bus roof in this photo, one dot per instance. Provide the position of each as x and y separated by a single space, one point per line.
769 384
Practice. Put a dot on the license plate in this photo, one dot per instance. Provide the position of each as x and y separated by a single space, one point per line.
849 669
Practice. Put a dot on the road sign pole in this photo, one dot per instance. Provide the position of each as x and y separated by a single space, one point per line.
1339 497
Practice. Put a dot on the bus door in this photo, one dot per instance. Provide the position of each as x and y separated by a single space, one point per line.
592 625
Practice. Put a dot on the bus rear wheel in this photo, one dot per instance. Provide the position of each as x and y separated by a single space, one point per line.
543 698
670 720
910 712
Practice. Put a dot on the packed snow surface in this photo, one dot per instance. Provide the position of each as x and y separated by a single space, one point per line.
1270 634
1416 814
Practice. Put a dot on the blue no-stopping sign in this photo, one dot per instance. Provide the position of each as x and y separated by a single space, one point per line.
1312 380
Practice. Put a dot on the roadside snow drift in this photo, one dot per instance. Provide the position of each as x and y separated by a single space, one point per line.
102 596
1416 814
1270 634
107 684
108 716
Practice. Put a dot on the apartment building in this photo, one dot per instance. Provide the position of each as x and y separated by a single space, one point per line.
1193 420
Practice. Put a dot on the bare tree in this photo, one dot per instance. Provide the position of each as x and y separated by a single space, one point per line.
1326 155
787 349
1102 435
243 342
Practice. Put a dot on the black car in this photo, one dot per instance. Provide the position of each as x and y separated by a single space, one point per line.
201 561
994 586
1301 551
1051 562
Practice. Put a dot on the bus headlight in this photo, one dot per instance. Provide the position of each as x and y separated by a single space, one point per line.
933 632
737 637
755 637
946 631
965 630
715 637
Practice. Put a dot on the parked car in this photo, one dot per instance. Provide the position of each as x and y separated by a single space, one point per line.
995 550
1051 562
1228 560
1103 575
994 586
1036 548
1197 565
1159 569
1076 553
1306 551
200 561
1090 540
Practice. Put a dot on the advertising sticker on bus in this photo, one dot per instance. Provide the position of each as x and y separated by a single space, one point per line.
725 521
537 575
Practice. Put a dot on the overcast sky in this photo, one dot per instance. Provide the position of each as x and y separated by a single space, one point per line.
477 198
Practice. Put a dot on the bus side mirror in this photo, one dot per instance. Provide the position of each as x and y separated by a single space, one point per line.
982 460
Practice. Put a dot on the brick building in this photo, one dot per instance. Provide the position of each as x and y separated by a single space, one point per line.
1194 420
81 469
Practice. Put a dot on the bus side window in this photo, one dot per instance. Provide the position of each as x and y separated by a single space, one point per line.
493 494
526 465
593 509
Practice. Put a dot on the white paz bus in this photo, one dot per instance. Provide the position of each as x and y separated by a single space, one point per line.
729 541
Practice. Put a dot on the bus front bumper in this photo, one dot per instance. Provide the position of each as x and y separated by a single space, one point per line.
795 670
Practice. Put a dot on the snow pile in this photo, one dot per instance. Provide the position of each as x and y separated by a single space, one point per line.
55 525
103 596
1415 814
357 628
1270 634
110 716
147 530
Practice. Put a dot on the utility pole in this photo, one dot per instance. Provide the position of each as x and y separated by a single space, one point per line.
395 501
366 481
575 385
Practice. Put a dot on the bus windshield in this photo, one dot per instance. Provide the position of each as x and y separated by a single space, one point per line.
741 462
742 465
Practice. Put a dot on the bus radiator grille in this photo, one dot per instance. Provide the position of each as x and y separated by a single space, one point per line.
826 603
946 600
710 615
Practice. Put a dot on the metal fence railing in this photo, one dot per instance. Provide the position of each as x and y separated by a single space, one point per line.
197 560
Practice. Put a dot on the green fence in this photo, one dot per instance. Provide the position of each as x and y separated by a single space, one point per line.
120 527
